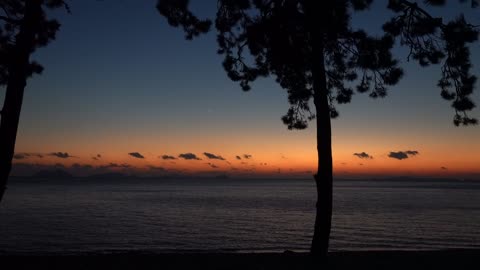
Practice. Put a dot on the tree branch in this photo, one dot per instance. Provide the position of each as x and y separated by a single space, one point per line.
10 20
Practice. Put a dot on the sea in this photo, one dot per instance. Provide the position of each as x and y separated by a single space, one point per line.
98 216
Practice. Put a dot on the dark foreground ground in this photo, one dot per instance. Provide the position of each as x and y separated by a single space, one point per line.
452 259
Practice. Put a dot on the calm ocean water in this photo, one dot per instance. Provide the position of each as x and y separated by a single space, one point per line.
40 216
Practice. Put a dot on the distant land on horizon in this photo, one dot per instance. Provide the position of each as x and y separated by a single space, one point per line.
62 174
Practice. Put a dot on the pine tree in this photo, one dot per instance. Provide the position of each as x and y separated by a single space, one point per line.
314 53
24 27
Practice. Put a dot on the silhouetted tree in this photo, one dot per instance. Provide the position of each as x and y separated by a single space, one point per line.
432 41
314 53
177 13
24 27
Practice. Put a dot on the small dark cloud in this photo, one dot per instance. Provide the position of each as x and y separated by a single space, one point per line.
115 165
247 156
21 156
361 164
398 155
213 156
363 155
60 155
189 156
263 164
167 157
343 163
81 166
97 157
136 155
238 157
444 168
411 153
156 168
212 165
402 154
26 155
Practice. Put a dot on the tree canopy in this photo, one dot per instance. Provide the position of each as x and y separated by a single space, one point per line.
280 40
12 13
433 41
259 38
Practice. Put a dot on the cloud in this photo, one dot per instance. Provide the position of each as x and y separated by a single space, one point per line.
189 156
60 155
402 154
115 165
247 156
26 155
398 155
363 155
444 168
97 157
212 165
20 156
156 168
238 157
81 166
213 156
167 157
412 153
136 155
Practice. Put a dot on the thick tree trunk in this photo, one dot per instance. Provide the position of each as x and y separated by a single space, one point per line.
324 176
17 80
317 20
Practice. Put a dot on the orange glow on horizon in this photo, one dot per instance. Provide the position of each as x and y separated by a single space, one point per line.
300 163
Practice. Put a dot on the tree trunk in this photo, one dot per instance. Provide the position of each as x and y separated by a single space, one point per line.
324 176
18 71
318 22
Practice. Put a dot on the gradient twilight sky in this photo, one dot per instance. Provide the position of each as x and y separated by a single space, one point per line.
118 80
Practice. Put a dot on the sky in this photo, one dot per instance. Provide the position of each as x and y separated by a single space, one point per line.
121 89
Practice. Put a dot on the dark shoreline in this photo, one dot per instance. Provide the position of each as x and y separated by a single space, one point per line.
453 259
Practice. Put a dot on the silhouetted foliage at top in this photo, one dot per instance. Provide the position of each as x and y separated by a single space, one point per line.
11 16
178 15
280 43
432 41
260 38
24 27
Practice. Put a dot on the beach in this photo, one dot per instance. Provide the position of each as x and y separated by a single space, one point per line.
453 259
